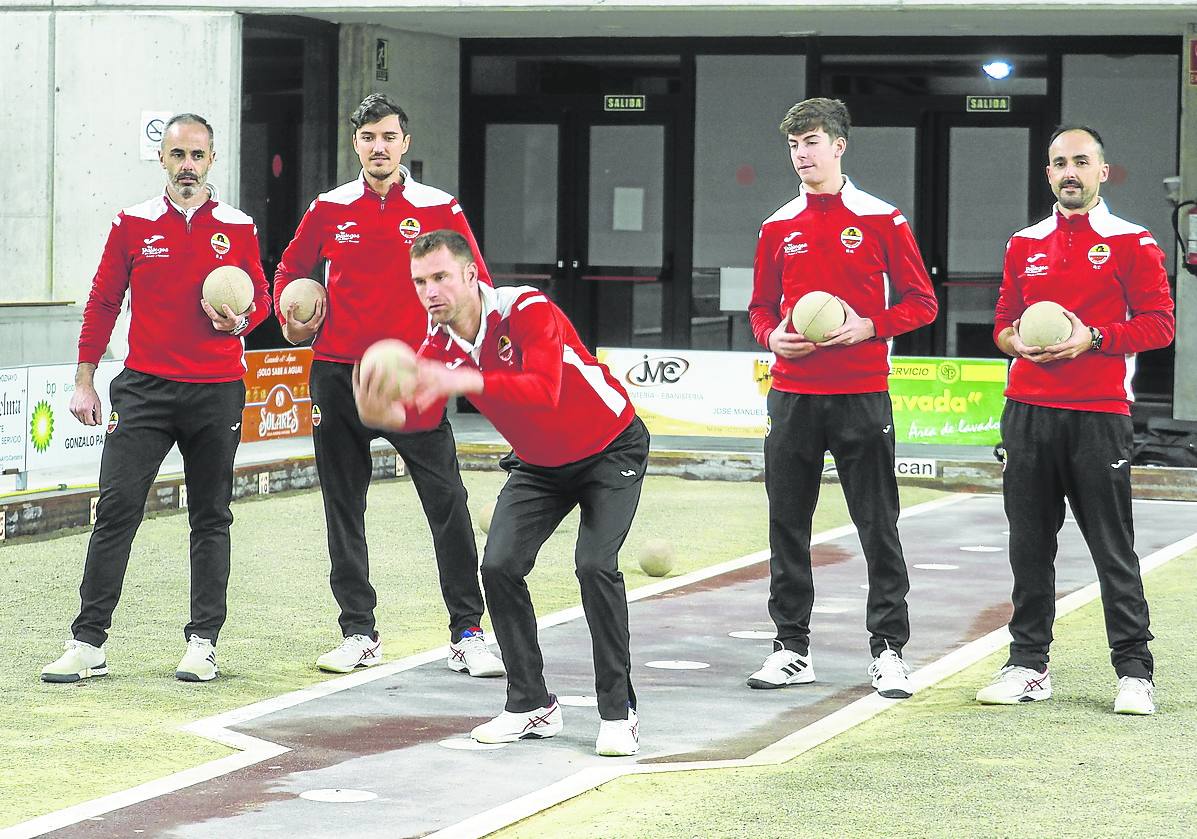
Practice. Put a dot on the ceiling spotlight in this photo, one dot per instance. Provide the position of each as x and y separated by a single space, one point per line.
998 69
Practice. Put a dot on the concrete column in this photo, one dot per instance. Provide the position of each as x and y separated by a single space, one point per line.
1184 400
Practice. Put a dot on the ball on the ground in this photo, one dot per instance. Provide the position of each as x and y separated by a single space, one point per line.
304 293
229 286
1044 324
815 314
486 514
656 558
392 364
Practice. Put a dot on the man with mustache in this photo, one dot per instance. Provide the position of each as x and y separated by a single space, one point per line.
1066 427
181 384
363 231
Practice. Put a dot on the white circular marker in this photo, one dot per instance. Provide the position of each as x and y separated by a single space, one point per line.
865 586
338 796
468 744
677 664
578 701
936 566
1005 532
980 549
753 634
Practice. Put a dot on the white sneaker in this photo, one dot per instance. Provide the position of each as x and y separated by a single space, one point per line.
508 727
1014 684
783 667
199 662
471 655
891 676
1135 696
80 661
619 738
355 651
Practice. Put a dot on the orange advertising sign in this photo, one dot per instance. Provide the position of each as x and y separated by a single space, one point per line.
277 401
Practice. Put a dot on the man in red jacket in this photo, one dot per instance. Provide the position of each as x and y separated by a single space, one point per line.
1066 428
834 395
576 442
181 384
363 230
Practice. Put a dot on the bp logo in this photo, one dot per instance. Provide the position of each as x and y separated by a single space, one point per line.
220 244
113 421
410 228
41 426
1098 254
850 238
315 416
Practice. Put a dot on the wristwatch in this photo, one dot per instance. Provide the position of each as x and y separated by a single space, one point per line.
1096 338
243 322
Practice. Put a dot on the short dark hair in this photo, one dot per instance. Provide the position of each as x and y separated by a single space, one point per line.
189 119
1092 132
450 240
812 114
375 107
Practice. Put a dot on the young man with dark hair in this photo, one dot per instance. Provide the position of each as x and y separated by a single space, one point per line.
834 395
181 384
363 231
1066 427
576 442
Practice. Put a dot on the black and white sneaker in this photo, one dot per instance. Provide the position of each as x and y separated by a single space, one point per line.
782 667
891 676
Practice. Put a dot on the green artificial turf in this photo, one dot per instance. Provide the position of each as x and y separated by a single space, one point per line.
939 765
63 744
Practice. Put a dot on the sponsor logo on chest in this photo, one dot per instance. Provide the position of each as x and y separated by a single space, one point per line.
410 228
220 244
506 349
346 236
152 250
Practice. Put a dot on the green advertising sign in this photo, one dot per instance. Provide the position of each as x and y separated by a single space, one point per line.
950 401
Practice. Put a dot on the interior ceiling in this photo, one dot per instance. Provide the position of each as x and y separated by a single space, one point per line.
1062 21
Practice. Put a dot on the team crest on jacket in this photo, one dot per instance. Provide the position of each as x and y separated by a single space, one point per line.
410 228
1098 254
113 421
506 350
850 238
220 244
315 415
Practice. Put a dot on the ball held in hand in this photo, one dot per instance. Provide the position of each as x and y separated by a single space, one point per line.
1044 324
817 313
389 369
304 293
229 286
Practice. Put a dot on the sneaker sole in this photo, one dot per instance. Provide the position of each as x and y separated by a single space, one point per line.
69 678
615 753
895 693
458 667
1134 712
361 665
762 684
184 676
1018 700
532 735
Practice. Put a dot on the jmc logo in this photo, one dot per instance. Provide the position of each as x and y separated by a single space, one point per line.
661 370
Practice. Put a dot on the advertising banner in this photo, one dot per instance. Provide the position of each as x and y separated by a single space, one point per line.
14 418
55 437
722 394
277 401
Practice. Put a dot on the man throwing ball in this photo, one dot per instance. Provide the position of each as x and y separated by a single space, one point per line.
576 442
1067 426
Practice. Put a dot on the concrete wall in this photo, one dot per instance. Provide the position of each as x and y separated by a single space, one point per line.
69 153
424 78
1184 398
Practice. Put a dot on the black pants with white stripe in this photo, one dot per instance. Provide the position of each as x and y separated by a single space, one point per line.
531 504
858 430
152 415
343 462
1084 457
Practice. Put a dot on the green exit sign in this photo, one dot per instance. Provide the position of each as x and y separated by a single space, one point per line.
623 102
987 104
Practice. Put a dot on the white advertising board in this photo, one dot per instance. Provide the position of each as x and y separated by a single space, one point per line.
14 418
55 437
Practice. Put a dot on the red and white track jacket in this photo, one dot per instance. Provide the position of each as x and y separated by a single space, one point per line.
1110 274
543 390
858 248
367 242
162 259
